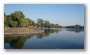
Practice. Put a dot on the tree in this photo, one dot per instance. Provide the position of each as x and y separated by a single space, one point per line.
46 23
29 21
52 25
33 23
23 22
17 16
40 22
17 19
5 20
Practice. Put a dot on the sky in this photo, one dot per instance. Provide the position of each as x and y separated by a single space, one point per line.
62 14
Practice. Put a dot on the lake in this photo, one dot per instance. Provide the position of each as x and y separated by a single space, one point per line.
61 38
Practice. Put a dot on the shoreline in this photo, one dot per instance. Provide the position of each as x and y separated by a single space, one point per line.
21 31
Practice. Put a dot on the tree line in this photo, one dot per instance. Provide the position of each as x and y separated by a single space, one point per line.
74 26
18 19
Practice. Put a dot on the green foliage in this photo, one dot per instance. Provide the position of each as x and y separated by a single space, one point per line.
4 18
40 22
23 22
46 24
29 21
17 19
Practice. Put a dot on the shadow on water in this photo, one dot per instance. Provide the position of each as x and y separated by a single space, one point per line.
17 41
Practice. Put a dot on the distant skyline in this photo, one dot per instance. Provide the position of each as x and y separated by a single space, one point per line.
62 14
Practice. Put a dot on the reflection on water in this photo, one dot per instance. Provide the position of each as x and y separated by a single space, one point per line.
55 38
75 29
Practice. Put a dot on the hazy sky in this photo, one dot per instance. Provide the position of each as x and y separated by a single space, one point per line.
63 14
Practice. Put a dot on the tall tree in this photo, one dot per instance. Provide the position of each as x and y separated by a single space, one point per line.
4 20
40 21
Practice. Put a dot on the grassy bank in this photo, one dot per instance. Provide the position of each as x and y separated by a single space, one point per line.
22 30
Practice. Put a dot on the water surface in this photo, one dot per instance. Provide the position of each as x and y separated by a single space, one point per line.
50 39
